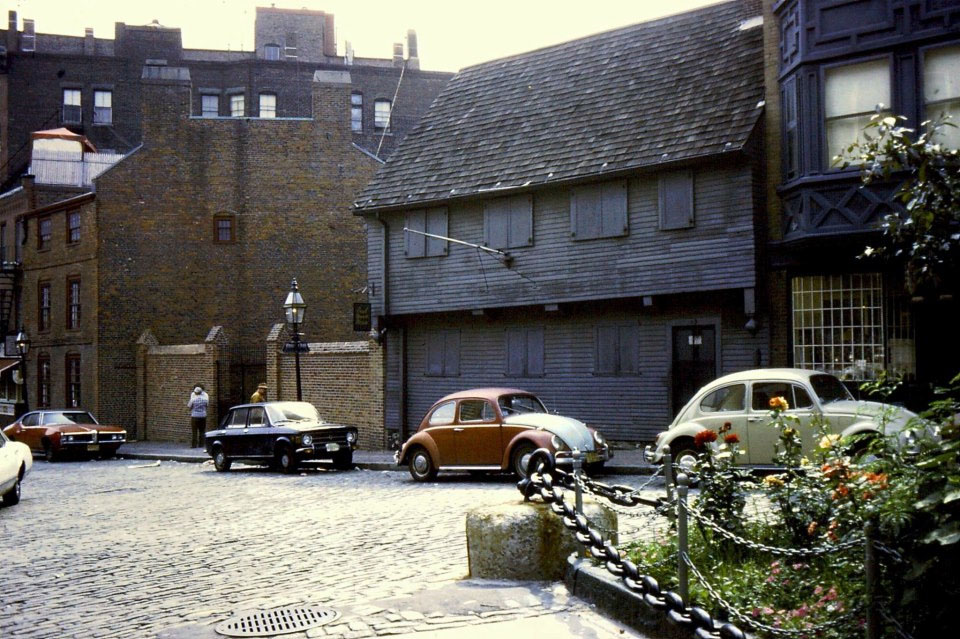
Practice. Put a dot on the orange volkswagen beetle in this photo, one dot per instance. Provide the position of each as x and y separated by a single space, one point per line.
496 429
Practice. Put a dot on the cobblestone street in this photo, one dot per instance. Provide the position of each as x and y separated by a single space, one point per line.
142 549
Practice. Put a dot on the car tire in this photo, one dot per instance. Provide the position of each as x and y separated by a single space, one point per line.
12 496
48 453
287 459
684 453
421 465
859 451
220 460
520 458
343 460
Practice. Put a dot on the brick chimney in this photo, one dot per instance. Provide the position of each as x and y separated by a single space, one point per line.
12 31
398 54
165 102
413 60
329 37
331 102
89 44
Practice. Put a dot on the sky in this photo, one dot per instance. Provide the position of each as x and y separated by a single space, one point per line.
451 34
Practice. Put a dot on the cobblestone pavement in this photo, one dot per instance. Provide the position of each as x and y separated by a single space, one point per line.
125 548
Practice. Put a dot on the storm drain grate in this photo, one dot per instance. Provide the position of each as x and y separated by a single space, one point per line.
277 621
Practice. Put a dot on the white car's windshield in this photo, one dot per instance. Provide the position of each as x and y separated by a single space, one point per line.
68 417
829 389
292 412
512 404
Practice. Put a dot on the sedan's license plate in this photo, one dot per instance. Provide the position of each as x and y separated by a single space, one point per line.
593 458
93 447
333 447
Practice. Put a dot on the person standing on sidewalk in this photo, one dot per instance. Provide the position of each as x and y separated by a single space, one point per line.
260 395
199 400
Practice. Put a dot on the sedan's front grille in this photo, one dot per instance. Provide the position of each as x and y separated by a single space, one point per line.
111 437
337 435
79 438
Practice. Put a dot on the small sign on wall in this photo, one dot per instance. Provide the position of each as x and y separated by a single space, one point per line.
7 409
362 317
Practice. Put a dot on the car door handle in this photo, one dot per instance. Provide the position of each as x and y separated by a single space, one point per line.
458 430
755 419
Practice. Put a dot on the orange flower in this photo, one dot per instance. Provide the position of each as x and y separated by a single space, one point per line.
812 528
840 491
880 479
779 404
704 437
731 438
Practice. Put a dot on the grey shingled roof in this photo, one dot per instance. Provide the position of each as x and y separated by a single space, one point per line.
685 86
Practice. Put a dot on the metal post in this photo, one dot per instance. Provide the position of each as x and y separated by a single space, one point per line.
668 474
683 485
871 571
577 491
296 358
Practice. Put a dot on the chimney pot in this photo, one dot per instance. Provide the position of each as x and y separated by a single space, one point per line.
397 54
411 43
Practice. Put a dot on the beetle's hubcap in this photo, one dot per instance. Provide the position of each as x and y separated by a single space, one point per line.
525 462
421 464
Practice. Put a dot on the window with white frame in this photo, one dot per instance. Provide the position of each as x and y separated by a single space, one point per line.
72 109
356 112
271 51
209 106
73 227
852 94
102 106
73 303
236 106
381 114
838 324
268 105
941 91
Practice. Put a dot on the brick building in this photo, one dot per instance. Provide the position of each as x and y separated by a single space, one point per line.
209 214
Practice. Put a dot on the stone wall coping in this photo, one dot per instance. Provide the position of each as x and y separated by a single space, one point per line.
323 348
178 349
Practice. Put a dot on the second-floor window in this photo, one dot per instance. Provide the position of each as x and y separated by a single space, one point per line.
43 381
44 233
223 229
102 107
72 109
381 114
508 222
72 370
73 227
73 303
356 112
271 51
852 93
941 91
43 306
209 106
598 210
268 105
236 106
432 221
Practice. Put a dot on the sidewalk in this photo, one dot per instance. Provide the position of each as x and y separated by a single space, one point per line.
627 461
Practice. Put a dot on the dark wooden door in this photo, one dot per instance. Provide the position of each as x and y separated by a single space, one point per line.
694 361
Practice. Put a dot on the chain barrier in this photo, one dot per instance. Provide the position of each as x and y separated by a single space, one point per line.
903 634
801 553
889 552
541 484
747 620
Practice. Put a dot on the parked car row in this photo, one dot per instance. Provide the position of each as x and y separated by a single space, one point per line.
478 431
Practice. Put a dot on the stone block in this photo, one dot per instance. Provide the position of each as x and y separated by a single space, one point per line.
524 541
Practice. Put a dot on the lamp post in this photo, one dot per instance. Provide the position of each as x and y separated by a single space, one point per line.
294 307
23 347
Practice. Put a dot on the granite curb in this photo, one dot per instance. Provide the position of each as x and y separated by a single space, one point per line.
597 586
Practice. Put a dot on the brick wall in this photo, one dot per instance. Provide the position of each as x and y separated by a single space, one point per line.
166 376
344 380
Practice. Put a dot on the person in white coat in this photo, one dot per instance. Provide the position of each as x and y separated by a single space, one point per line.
199 400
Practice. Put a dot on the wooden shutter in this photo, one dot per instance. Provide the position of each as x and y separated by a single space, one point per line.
676 200
516 352
607 351
451 352
496 224
435 342
414 243
436 223
585 221
535 352
629 356
613 208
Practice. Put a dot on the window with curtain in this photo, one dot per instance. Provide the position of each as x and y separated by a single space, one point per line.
852 94
941 91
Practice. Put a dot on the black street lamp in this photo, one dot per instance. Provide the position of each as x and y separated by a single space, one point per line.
23 347
295 307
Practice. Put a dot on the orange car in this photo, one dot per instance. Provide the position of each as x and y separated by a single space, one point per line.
496 429
58 433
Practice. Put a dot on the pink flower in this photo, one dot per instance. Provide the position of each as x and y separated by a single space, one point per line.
818 591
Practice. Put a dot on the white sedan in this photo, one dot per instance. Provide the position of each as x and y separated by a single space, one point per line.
15 462
741 402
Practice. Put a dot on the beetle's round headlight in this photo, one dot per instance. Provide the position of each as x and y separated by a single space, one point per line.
351 437
597 437
556 442
307 440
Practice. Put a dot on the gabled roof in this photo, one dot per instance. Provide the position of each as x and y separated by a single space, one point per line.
685 86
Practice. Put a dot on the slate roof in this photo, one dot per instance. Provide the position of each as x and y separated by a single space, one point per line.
685 86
